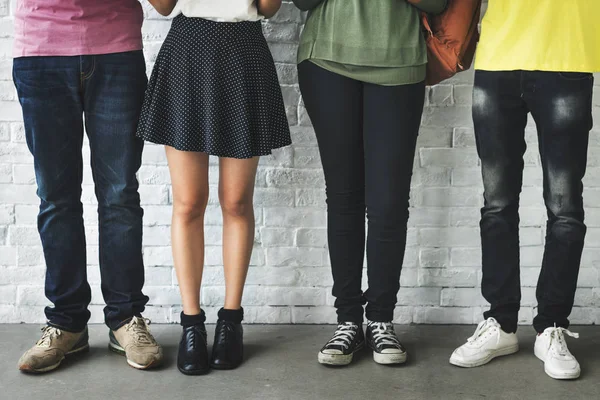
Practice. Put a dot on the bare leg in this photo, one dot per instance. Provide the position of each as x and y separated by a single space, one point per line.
236 192
189 177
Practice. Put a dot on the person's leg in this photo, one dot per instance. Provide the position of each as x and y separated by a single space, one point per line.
392 116
500 117
189 179
561 105
335 106
48 89
113 91
562 108
236 193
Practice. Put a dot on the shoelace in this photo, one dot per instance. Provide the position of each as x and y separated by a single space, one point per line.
557 340
343 336
483 328
49 333
384 334
139 329
196 335
225 329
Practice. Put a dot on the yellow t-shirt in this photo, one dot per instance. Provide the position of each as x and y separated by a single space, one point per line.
543 35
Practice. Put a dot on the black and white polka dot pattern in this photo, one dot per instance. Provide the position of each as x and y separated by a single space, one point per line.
214 89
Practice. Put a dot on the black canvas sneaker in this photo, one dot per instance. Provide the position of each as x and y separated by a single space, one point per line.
347 340
382 339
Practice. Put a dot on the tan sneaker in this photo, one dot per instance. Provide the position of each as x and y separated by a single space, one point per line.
52 348
134 341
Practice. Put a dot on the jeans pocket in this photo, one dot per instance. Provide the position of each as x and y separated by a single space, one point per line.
576 76
42 73
33 81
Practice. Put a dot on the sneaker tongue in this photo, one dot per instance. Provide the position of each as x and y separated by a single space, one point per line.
343 337
141 334
48 334
385 336
483 328
559 347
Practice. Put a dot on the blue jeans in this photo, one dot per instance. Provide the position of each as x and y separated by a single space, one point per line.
561 105
55 93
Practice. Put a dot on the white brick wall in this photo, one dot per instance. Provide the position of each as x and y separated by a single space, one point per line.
290 280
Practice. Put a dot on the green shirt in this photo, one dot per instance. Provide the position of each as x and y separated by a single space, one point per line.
375 41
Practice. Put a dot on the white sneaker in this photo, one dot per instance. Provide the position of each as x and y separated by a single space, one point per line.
551 348
488 342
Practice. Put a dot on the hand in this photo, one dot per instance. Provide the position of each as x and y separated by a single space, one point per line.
268 8
164 7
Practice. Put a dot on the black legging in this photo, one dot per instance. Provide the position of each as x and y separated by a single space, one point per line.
367 136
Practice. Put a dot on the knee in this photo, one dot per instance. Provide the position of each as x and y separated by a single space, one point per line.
190 209
60 190
563 197
237 207
60 199
346 201
118 195
498 202
389 215
558 204
499 193
563 205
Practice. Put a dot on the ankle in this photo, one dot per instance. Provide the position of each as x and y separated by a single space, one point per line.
235 316
191 320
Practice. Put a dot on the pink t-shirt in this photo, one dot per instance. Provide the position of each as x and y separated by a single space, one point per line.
77 27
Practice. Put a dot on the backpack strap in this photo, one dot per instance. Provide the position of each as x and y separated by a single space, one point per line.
426 24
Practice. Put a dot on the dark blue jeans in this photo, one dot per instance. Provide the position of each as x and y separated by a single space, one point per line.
561 105
55 94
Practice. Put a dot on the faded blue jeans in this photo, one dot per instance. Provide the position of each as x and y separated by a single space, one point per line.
55 94
561 105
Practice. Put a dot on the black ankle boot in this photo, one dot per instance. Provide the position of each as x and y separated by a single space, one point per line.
228 349
192 358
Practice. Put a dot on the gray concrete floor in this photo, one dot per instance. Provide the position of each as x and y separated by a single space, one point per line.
281 364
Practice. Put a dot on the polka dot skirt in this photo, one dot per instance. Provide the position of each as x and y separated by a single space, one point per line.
214 89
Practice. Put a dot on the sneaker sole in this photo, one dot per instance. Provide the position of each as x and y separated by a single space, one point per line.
79 350
498 353
115 348
338 360
554 375
389 359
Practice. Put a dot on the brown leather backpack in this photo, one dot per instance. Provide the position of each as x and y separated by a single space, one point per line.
451 39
